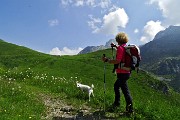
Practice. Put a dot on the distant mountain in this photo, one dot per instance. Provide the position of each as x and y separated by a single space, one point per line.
108 43
90 49
165 44
162 55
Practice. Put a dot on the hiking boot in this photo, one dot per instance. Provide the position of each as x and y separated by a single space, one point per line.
129 108
113 107
116 104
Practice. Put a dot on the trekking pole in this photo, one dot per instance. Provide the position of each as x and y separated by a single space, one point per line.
104 84
112 53
113 71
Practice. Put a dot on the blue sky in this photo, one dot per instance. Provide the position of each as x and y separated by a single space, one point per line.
62 27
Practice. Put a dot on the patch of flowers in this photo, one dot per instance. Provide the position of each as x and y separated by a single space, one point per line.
28 76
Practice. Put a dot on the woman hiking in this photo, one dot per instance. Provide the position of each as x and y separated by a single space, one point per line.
122 74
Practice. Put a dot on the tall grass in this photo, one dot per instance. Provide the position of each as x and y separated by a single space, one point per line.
18 103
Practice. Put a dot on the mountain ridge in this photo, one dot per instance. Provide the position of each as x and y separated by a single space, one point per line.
161 56
90 49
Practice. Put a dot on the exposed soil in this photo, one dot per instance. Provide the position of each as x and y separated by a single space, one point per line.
57 109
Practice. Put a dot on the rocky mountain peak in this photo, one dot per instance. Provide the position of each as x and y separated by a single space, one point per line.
171 30
89 49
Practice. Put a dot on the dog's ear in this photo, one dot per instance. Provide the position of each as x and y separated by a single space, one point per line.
77 84
92 86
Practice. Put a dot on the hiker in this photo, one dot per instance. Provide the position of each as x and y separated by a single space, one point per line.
122 74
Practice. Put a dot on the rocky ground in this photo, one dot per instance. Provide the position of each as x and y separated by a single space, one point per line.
57 109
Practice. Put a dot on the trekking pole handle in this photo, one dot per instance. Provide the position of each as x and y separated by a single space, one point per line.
106 59
112 53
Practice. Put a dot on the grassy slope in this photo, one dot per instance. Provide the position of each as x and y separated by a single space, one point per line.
26 74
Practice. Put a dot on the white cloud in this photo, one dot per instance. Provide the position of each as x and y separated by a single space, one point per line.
170 10
66 2
93 22
136 30
79 2
91 3
150 30
55 51
104 3
112 22
53 22
64 51
113 8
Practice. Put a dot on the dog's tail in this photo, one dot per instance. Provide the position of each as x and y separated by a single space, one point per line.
92 86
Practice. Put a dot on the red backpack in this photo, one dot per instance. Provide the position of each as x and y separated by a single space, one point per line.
132 57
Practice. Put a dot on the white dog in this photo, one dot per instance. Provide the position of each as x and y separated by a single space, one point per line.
86 88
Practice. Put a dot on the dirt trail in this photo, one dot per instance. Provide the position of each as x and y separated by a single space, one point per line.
57 109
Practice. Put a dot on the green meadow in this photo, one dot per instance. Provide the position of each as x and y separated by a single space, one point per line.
38 86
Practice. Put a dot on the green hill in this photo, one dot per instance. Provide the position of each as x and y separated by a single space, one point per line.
40 86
